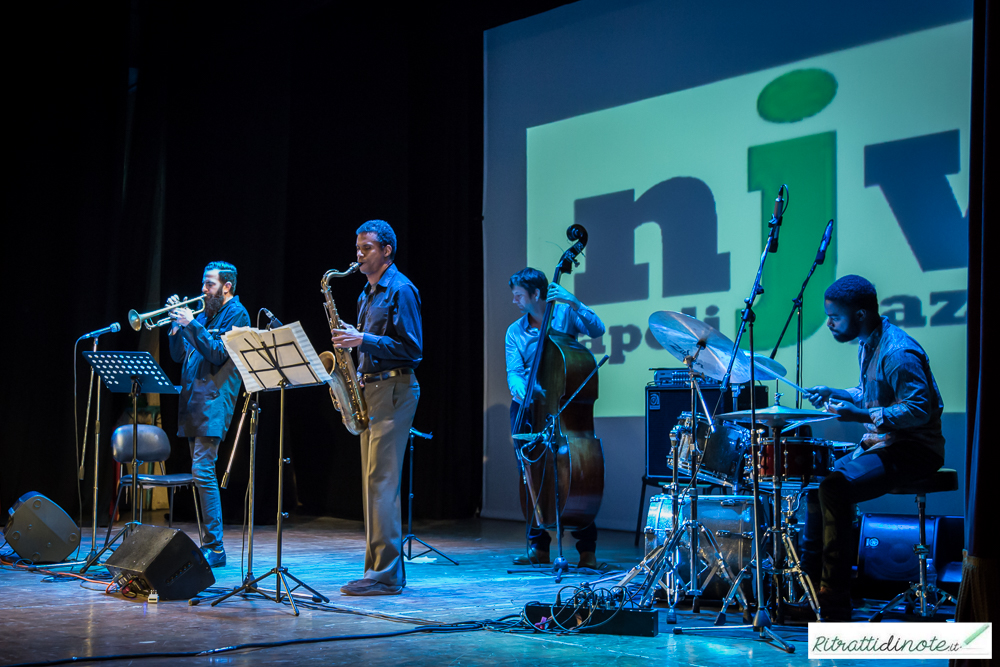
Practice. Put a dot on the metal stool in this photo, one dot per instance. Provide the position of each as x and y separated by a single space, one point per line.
928 595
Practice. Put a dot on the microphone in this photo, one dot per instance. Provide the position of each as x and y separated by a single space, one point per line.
275 322
111 329
776 221
825 243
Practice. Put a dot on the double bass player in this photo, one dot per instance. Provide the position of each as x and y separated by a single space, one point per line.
531 291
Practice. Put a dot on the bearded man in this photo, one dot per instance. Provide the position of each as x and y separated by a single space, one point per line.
209 385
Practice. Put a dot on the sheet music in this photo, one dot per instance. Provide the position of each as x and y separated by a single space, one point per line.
255 352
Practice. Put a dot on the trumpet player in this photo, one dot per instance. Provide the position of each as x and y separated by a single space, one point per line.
209 384
389 342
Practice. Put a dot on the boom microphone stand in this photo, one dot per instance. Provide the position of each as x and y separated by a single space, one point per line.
761 620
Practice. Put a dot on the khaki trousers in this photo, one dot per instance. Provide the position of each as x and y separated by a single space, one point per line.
391 406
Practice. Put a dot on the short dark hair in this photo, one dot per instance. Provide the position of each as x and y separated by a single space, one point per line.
854 292
227 272
530 279
383 234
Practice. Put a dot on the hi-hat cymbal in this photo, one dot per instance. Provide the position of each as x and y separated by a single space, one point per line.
685 336
779 414
527 437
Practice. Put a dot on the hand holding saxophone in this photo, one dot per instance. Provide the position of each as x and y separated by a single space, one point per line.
348 336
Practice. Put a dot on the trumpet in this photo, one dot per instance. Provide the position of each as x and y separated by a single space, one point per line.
137 320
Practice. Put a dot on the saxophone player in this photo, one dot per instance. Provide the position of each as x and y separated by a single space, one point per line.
389 342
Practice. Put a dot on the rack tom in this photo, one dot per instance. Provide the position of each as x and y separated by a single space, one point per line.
795 462
721 454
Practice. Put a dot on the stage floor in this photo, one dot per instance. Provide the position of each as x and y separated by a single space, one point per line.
47 619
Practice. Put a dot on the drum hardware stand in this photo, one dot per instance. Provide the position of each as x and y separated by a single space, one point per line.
255 362
761 620
657 563
548 435
410 537
793 564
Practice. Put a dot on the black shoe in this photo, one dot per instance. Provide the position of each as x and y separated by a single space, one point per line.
215 557
834 607
535 556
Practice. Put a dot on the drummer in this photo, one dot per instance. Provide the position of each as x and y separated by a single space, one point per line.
900 406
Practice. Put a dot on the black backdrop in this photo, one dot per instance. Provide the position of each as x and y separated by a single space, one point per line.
150 138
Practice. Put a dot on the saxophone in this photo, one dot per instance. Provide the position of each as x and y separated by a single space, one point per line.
344 388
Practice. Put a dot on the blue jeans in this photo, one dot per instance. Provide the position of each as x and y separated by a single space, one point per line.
826 548
204 454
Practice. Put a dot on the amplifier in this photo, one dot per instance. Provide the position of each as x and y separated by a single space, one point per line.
664 405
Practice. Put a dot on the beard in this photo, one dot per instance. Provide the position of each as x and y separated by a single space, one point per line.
213 304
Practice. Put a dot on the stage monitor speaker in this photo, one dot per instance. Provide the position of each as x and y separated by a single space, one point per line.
39 530
664 405
886 560
162 560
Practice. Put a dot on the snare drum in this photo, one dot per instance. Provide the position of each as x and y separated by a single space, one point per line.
799 462
721 453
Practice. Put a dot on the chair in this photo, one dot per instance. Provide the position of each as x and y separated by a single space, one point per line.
926 594
153 447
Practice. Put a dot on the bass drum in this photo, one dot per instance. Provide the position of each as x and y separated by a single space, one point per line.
728 518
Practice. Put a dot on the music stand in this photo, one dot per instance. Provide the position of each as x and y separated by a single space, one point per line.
268 361
133 373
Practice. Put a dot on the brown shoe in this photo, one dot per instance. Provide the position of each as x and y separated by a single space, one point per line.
370 587
588 560
534 556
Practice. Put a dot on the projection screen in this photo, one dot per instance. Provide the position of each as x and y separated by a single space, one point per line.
666 129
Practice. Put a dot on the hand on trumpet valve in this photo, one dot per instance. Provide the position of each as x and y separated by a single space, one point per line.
347 336
181 317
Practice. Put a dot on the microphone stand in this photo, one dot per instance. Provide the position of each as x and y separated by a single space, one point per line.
91 555
797 312
761 619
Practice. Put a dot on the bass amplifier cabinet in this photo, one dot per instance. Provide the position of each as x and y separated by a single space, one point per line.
666 399
161 559
887 563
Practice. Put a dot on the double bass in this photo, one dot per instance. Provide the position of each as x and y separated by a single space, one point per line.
559 368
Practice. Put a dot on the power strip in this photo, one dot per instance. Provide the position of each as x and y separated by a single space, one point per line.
629 621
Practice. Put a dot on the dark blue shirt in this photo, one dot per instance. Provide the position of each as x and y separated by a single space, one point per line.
898 390
389 317
209 379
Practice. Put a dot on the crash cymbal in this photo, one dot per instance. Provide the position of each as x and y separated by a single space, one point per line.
527 437
769 366
779 414
685 336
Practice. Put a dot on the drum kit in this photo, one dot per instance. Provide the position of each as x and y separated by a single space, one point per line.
702 545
